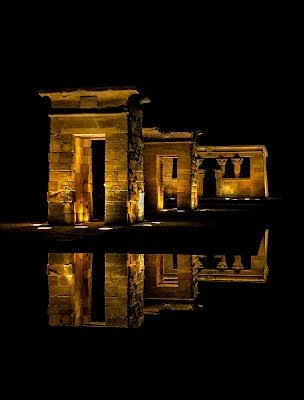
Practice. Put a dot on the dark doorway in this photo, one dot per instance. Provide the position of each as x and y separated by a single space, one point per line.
209 183
98 287
98 170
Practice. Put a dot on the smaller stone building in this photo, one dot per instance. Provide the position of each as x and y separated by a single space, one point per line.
170 169
232 171
178 172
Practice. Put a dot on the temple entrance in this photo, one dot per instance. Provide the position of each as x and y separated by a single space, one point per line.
167 182
98 170
79 119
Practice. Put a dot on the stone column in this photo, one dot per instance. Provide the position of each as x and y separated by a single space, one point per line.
201 176
160 182
218 178
237 162
116 178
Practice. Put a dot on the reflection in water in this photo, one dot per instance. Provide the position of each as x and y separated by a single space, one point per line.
117 290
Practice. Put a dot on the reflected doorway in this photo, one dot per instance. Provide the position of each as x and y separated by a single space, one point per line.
98 288
98 170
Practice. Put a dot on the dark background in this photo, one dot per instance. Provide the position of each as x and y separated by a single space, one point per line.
227 70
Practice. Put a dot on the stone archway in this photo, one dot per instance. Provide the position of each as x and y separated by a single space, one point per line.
79 116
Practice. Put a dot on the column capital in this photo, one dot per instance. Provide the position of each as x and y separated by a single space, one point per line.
200 162
222 163
237 162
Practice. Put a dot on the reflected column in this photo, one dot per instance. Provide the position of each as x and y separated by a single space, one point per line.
124 288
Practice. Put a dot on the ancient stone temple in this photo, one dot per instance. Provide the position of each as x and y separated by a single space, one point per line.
77 119
138 168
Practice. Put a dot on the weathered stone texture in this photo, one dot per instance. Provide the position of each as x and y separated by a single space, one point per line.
254 185
124 283
70 288
153 154
80 120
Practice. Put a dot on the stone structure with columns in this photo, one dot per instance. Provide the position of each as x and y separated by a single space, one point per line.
242 181
144 167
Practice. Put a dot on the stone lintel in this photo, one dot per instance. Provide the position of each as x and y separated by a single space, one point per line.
216 151
89 98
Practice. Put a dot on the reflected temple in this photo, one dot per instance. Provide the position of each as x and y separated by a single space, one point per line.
118 290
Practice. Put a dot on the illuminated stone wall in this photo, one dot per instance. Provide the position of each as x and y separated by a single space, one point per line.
124 286
70 288
79 116
159 146
164 282
253 185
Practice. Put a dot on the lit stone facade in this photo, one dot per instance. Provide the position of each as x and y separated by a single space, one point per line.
242 181
160 149
79 116
144 167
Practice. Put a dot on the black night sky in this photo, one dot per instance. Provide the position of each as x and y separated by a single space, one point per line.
222 70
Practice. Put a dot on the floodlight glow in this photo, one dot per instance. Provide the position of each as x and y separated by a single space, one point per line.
164 209
181 211
37 224
156 222
147 225
80 226
227 198
106 228
44 227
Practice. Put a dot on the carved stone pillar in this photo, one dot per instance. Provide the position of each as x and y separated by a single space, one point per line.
222 163
201 176
237 162
218 178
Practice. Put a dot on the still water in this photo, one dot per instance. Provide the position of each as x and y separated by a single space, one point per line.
120 290
231 275
232 279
